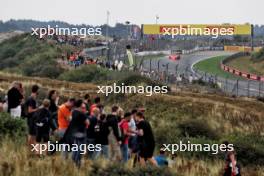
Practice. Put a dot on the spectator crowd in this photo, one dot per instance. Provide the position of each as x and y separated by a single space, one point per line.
122 136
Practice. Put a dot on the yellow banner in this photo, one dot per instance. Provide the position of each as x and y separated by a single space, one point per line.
197 29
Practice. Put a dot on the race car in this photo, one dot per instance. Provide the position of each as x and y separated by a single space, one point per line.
175 55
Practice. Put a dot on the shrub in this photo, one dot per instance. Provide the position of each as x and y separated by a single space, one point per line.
92 73
136 79
200 82
261 99
84 74
249 149
203 83
197 128
10 52
25 54
42 65
248 154
11 127
257 56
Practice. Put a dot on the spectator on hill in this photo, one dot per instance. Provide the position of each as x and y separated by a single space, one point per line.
31 106
120 66
91 129
125 134
1 105
87 102
54 100
179 78
101 137
81 59
5 104
161 159
108 64
114 136
130 57
190 78
231 166
53 108
64 116
101 108
44 123
172 160
146 140
115 65
132 143
97 102
76 132
120 114
15 97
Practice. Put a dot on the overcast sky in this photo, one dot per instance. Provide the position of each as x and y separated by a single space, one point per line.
137 11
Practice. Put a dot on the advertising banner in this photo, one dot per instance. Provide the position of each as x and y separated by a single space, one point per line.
214 30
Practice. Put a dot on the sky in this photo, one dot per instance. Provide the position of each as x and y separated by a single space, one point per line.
136 11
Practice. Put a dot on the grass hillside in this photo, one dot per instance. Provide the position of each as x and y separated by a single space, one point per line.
26 55
200 118
29 56
251 64
246 64
212 66
177 116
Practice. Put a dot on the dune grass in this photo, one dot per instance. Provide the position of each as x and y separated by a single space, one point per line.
212 118
247 64
212 66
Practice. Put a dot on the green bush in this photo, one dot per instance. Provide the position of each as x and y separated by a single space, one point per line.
136 79
11 127
42 65
257 56
92 73
10 52
25 54
249 149
84 74
197 128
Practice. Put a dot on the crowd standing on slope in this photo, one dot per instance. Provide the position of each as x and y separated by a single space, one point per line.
77 59
121 135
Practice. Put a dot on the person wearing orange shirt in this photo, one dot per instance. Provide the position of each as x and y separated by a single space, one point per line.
64 116
97 101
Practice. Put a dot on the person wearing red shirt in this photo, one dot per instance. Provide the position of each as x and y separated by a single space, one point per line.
125 133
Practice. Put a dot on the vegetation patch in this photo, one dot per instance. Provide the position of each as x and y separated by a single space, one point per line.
213 67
